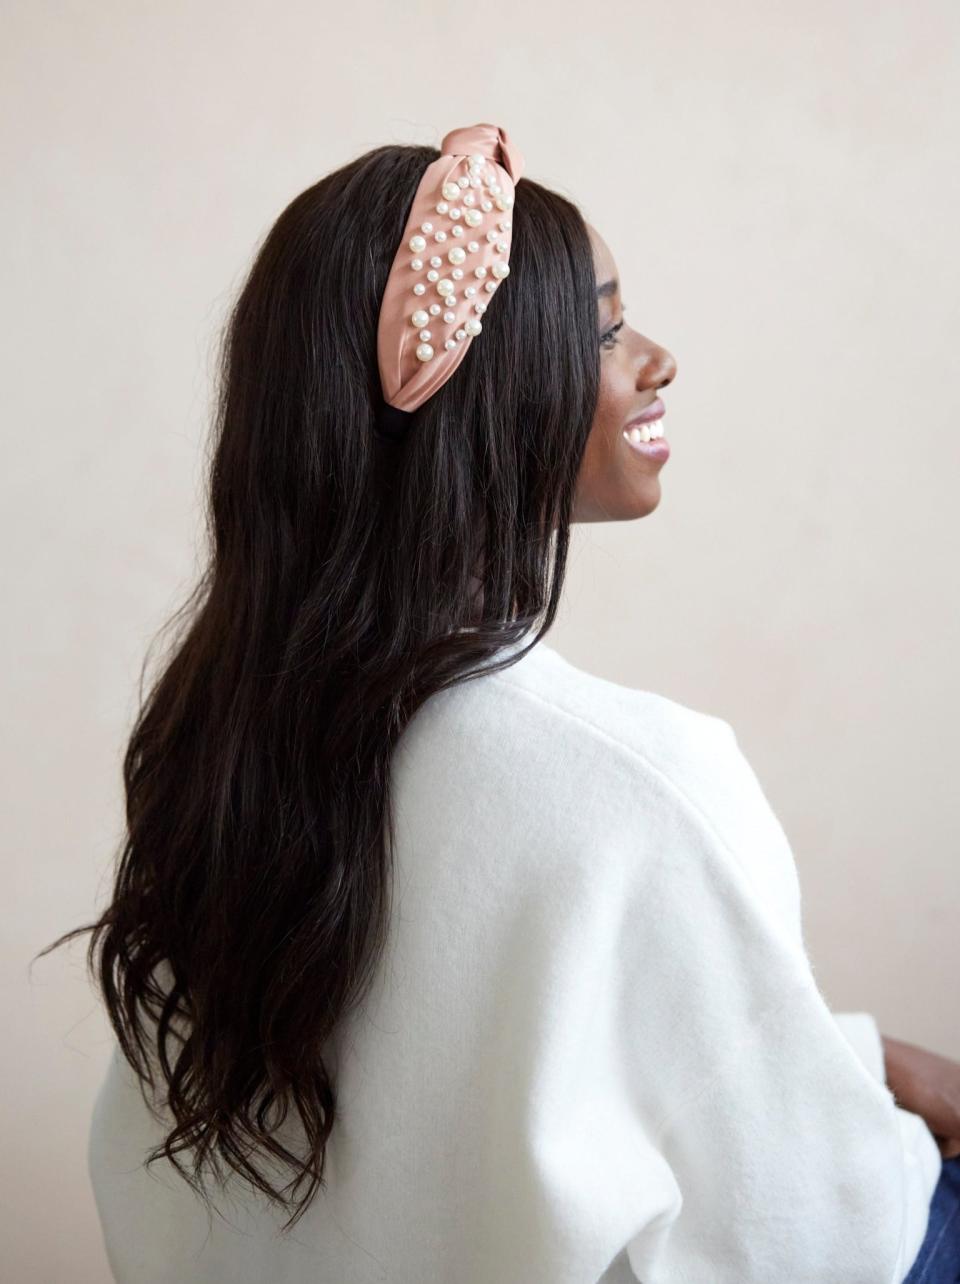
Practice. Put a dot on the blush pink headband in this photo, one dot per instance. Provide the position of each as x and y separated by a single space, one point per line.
454 254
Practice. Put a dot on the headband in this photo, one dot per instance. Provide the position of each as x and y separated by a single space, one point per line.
454 254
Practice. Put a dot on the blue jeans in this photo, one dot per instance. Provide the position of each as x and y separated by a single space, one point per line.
938 1261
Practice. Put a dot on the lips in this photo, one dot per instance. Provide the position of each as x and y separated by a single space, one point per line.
655 410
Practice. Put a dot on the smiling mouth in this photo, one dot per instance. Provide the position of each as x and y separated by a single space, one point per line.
655 410
651 431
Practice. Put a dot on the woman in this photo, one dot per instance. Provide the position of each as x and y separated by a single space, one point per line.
434 957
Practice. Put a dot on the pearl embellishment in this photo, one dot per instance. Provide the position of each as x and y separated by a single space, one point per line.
467 201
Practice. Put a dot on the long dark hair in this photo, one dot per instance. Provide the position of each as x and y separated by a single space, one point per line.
350 577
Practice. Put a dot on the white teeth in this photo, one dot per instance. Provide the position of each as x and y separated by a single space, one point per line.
645 432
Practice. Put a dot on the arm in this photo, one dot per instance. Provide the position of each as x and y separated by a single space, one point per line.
928 1085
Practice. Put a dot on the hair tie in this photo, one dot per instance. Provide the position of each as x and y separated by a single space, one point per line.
454 254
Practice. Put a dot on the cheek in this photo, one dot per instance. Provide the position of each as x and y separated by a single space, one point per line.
616 396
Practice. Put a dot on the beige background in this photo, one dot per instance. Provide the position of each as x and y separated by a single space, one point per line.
779 185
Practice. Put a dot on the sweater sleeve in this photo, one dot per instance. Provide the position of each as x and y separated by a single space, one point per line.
790 1157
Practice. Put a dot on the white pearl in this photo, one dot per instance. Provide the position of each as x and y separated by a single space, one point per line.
457 273
457 231
419 288
444 286
504 225
480 307
492 236
490 286
456 211
424 351
480 272
442 207
473 247
435 309
417 244
504 202
469 198
439 236
416 264
473 218
475 180
502 246
470 291
463 181
449 317
450 343
486 205
436 261
424 335
433 275
451 191
449 299
493 188
461 334
472 326
426 227
500 270
478 159
457 254
419 318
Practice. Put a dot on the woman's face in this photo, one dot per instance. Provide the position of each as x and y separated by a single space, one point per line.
619 481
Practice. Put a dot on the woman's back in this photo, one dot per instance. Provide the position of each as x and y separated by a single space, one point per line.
593 1049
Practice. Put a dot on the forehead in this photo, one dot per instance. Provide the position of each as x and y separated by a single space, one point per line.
603 261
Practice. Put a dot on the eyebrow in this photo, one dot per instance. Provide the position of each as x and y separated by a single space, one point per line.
608 288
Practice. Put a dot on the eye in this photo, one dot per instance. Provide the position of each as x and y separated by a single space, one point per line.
609 340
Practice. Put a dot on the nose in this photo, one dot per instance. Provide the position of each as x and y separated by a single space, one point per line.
657 366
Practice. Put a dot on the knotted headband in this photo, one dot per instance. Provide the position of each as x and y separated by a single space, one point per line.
454 253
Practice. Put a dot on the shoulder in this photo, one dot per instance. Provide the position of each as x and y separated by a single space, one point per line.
579 760
545 689
542 716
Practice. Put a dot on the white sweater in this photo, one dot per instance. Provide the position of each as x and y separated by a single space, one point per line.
595 1049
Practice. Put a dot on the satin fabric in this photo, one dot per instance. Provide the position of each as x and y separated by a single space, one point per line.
406 381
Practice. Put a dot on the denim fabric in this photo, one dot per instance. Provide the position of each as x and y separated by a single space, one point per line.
938 1261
